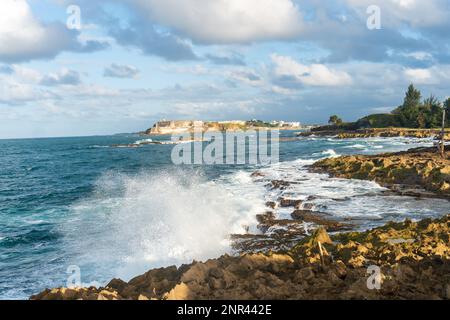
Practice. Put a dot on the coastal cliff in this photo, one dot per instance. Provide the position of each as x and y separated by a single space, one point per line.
181 126
408 172
413 257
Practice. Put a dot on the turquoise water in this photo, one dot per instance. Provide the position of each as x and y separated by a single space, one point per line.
120 211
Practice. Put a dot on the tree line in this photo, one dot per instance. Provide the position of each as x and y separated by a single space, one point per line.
413 113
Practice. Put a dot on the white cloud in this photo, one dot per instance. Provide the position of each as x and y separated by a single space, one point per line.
436 75
121 71
246 76
13 92
63 77
417 13
227 21
418 75
419 55
281 90
22 35
312 75
26 75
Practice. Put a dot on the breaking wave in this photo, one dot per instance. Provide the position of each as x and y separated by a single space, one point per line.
138 222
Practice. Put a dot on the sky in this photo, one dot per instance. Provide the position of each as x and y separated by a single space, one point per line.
119 66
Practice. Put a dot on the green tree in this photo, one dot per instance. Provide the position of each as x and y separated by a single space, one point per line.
408 112
412 97
421 121
447 109
432 110
335 120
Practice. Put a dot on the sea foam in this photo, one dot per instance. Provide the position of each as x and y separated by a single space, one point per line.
148 220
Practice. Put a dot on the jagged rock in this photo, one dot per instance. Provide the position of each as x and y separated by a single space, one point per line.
421 272
376 132
321 219
279 184
286 202
271 204
321 235
257 174
412 172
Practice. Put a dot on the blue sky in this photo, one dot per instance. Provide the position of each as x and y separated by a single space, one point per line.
134 62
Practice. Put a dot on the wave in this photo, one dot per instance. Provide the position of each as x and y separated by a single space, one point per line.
98 147
151 220
144 141
327 153
356 146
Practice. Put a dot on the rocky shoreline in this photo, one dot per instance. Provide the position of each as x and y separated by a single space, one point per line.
420 172
375 133
313 254
413 260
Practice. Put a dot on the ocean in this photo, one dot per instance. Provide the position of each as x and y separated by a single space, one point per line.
82 206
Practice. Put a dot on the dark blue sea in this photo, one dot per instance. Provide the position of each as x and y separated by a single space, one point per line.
87 205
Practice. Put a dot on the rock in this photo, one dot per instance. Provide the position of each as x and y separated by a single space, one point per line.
271 204
409 270
286 202
216 273
266 217
340 269
321 219
357 261
374 132
180 292
304 274
321 235
117 284
419 172
257 174
279 184
307 206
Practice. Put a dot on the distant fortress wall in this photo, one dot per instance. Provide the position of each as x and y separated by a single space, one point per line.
167 127
181 126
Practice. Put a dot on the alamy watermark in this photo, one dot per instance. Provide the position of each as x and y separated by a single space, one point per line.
375 277
238 147
74 19
374 19
74 279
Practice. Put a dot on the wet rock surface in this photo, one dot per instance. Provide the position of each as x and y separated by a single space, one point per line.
420 172
413 258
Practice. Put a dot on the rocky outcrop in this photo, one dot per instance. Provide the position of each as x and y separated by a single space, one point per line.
188 126
378 132
409 172
413 258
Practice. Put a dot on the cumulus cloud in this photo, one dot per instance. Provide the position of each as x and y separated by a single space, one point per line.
14 92
235 59
246 76
121 71
418 75
144 36
24 38
286 69
226 21
416 13
63 77
438 75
